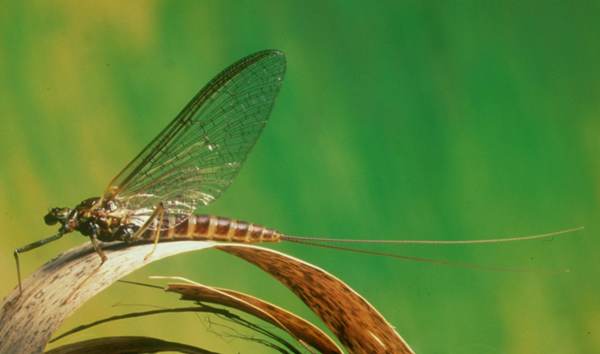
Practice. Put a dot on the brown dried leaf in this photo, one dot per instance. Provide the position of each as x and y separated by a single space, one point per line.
356 323
296 326
62 285
126 345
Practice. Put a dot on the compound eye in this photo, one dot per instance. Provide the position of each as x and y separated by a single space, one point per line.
50 218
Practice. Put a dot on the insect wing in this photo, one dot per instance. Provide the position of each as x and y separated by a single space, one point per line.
195 158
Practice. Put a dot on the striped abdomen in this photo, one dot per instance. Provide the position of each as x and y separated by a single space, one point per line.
216 228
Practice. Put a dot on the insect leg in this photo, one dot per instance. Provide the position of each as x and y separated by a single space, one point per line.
138 234
28 248
160 212
98 248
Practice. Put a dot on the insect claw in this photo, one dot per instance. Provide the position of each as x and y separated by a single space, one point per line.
102 255
98 249
146 257
16 254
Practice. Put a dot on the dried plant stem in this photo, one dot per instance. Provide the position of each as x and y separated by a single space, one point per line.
201 308
62 285
126 345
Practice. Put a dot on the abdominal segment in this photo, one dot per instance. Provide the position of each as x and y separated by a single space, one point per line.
209 227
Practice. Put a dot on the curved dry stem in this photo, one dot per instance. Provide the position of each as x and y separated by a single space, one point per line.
126 345
202 308
136 314
299 328
62 285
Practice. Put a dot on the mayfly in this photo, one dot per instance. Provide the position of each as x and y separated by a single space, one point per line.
189 164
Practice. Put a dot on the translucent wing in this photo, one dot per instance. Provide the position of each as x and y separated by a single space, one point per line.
195 158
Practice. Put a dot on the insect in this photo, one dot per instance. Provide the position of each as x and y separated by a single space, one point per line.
190 164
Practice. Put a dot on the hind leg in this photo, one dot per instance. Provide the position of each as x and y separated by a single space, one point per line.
158 213
160 216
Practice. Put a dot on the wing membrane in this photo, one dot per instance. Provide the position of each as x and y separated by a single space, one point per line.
195 158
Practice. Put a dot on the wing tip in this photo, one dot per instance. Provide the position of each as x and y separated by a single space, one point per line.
272 53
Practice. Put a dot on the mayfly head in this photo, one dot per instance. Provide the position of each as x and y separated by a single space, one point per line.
82 217
57 215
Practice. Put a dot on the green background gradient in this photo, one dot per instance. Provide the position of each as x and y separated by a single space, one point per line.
396 121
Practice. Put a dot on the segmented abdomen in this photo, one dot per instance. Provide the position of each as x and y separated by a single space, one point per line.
208 227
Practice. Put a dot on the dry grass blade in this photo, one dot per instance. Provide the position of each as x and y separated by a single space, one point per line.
273 340
130 315
356 323
62 285
296 326
126 345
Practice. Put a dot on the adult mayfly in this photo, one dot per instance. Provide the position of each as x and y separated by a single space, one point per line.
191 163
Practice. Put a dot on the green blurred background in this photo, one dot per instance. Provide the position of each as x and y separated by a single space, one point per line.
396 120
